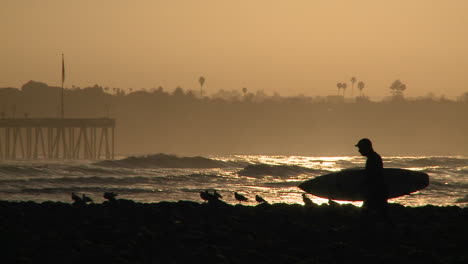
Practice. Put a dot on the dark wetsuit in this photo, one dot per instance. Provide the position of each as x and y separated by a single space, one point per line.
376 196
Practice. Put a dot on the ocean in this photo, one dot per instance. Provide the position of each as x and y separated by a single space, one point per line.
161 177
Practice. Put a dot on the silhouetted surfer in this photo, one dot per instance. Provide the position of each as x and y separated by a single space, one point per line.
375 201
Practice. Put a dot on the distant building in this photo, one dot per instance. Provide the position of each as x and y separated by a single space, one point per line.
335 99
362 99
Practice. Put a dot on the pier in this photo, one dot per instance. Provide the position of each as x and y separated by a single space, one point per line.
57 138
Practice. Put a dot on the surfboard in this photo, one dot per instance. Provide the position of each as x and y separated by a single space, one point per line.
349 184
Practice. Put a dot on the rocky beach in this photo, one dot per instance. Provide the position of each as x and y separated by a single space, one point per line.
185 231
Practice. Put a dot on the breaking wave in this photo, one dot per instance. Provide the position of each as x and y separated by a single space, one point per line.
168 161
79 180
162 177
259 170
109 180
404 162
82 189
462 200
22 170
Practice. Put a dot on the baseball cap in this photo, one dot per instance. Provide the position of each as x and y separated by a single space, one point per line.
365 142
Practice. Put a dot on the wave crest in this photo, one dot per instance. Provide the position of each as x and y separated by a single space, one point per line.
462 200
259 170
448 162
167 161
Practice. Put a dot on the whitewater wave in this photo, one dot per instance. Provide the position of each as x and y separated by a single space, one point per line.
163 177
168 161
95 170
448 185
83 189
283 184
260 170
462 200
405 162
80 180
22 170
55 170
109 180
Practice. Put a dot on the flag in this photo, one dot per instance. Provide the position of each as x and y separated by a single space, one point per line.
63 80
63 70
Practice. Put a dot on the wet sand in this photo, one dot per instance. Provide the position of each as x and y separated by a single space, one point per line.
183 232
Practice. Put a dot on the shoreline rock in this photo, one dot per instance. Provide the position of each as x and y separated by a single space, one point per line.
184 231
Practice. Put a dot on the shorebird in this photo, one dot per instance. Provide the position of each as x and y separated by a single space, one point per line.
259 199
208 197
332 203
217 195
76 199
205 196
86 199
307 200
110 196
239 197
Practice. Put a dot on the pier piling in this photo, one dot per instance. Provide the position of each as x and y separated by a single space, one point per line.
57 138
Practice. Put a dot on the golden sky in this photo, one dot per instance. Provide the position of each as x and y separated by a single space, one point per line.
289 47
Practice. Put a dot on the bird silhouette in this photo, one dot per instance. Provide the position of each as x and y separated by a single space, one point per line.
76 199
86 199
307 200
206 196
332 203
259 199
217 195
239 197
211 198
110 196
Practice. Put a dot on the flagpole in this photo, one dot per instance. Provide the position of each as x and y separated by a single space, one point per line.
63 79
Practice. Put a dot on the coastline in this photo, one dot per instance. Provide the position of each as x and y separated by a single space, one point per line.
179 232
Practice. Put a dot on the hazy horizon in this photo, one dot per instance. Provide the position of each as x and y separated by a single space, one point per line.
300 47
183 123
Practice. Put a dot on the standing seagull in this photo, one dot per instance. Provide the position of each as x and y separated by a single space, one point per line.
86 199
239 197
76 199
307 200
110 196
210 198
260 199
206 196
332 203
217 195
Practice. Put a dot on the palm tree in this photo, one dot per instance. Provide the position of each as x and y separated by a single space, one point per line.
353 80
360 86
339 87
201 80
244 91
344 86
397 89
